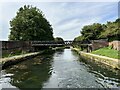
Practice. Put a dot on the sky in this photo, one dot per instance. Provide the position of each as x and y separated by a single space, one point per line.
67 18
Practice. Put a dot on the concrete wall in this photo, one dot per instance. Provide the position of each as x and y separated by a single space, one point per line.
111 62
6 62
115 45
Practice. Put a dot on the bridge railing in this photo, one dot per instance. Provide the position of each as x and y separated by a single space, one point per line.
59 42
47 42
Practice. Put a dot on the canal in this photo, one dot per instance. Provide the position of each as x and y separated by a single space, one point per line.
58 69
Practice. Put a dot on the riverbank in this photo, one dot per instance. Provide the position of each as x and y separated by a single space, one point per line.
59 69
114 63
6 62
107 51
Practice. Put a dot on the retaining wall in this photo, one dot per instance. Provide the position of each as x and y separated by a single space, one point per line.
114 63
9 47
6 62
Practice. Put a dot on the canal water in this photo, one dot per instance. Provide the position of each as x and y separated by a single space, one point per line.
59 69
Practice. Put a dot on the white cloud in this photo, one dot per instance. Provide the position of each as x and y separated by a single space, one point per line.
76 17
67 19
60 1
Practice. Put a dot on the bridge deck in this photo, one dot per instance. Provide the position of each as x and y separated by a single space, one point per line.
47 44
53 43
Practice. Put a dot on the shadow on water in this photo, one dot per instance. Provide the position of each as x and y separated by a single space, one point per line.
60 68
104 73
32 73
59 51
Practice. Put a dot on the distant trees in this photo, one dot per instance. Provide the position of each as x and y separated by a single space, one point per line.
110 31
30 24
90 32
79 38
58 39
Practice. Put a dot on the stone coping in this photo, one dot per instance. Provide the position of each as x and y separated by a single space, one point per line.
115 63
17 57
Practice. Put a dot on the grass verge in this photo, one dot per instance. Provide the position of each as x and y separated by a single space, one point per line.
107 51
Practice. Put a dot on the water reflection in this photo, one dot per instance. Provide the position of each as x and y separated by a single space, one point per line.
60 69
32 73
59 51
106 76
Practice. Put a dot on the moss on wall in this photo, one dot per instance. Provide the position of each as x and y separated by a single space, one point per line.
114 63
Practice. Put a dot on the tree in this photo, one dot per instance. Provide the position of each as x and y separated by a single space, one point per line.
91 32
112 31
59 39
79 38
109 31
30 24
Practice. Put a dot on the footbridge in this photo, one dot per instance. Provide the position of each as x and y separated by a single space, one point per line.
57 43
51 43
47 44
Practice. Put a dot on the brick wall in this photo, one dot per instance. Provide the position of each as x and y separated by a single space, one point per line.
13 46
115 45
96 44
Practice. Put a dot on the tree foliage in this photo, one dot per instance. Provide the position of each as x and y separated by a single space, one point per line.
79 38
59 39
110 31
90 32
30 24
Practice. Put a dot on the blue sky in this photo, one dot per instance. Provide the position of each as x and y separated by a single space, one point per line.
66 18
